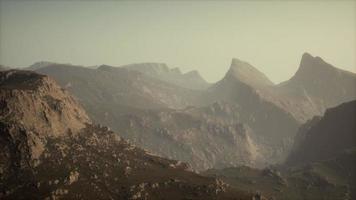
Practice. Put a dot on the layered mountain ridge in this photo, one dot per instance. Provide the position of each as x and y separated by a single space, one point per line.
142 95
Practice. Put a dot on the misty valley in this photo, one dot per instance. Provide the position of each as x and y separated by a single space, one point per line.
149 131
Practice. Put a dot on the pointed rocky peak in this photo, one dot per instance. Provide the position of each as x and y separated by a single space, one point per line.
315 69
246 73
313 65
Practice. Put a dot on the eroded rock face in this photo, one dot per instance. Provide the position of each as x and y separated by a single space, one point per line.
38 103
33 108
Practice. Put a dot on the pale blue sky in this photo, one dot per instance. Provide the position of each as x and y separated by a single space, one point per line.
202 35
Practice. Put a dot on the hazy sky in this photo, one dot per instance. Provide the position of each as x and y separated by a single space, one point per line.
202 35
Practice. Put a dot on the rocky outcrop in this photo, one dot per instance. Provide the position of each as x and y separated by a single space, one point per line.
38 103
33 102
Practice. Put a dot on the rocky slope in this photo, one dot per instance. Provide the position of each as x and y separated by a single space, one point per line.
204 137
49 150
322 164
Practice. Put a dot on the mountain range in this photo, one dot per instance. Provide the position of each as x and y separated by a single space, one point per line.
149 105
50 149
176 136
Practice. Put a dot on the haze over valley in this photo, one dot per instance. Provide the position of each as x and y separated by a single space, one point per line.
158 117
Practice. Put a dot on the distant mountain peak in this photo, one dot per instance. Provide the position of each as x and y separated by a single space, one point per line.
309 61
312 67
247 74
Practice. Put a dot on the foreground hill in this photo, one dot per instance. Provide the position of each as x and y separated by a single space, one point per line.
49 149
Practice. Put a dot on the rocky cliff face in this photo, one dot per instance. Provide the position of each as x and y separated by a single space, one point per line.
38 103
49 150
326 137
